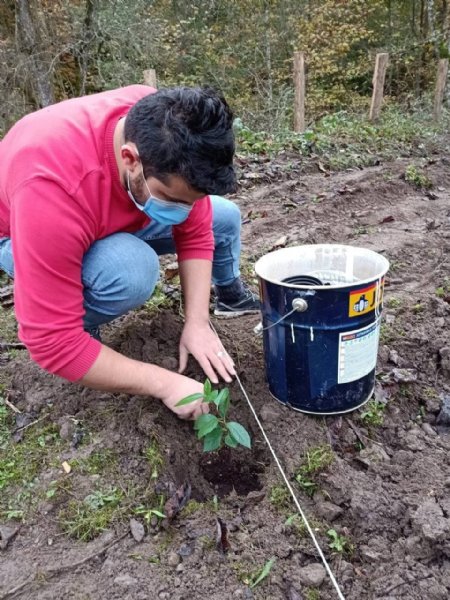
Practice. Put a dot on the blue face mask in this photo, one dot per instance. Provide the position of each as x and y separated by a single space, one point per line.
165 212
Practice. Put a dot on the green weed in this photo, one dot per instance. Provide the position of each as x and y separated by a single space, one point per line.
373 414
394 303
254 578
339 543
84 520
97 463
443 290
154 458
280 497
21 463
312 594
158 301
414 176
314 461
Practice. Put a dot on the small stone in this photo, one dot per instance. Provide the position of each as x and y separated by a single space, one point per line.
369 554
312 575
444 354
404 375
443 417
269 413
439 322
125 580
137 530
447 482
239 593
393 357
173 559
180 568
177 582
164 595
6 535
67 428
430 522
429 430
433 404
328 510
255 496
185 550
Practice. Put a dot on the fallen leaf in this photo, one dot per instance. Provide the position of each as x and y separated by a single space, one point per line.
178 501
67 468
388 219
222 536
281 242
171 271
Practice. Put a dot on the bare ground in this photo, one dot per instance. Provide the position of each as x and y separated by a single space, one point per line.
386 492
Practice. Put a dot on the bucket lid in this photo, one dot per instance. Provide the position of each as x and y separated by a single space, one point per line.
335 265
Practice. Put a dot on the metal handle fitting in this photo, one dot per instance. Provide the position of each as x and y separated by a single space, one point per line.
299 304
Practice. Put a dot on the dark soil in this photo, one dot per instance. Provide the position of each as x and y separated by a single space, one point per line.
387 490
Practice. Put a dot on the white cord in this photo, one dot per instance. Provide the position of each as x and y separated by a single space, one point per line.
294 497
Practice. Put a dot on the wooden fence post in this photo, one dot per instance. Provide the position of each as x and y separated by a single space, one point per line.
379 75
440 88
150 77
299 84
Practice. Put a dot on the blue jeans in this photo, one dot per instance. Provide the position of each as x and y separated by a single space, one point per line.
120 271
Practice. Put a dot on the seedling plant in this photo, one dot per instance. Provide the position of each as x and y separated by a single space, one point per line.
214 429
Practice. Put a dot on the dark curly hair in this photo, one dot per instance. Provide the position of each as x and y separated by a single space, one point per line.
186 132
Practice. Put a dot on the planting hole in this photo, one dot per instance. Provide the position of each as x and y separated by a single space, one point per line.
225 472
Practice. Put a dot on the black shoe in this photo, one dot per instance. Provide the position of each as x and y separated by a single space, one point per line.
94 332
246 304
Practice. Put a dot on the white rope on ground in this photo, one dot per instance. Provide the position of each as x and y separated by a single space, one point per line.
286 481
294 497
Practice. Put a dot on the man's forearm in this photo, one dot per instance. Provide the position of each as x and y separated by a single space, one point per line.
195 276
117 373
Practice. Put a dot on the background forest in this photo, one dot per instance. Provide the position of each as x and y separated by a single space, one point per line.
56 49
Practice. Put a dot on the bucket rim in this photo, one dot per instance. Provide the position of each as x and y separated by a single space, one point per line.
330 286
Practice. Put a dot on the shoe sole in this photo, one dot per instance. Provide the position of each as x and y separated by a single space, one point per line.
231 315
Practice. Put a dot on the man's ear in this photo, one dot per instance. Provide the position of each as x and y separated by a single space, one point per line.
130 156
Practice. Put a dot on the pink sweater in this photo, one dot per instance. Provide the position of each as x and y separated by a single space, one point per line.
60 192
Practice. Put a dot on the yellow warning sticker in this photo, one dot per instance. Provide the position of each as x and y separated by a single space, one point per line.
364 300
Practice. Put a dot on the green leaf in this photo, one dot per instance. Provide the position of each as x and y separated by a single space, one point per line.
264 572
205 424
239 433
207 387
230 441
223 402
189 399
213 440
157 513
211 397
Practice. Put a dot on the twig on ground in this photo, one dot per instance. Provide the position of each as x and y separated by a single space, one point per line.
30 424
11 346
49 573
12 407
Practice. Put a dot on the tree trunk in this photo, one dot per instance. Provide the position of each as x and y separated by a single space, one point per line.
29 42
89 34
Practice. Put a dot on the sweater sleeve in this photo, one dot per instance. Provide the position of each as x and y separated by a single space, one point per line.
50 235
194 238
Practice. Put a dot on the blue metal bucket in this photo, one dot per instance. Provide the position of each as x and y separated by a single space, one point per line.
321 313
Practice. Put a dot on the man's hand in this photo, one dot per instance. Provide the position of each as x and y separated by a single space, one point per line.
117 373
180 388
200 340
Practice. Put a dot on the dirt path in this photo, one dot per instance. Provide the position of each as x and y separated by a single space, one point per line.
383 486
